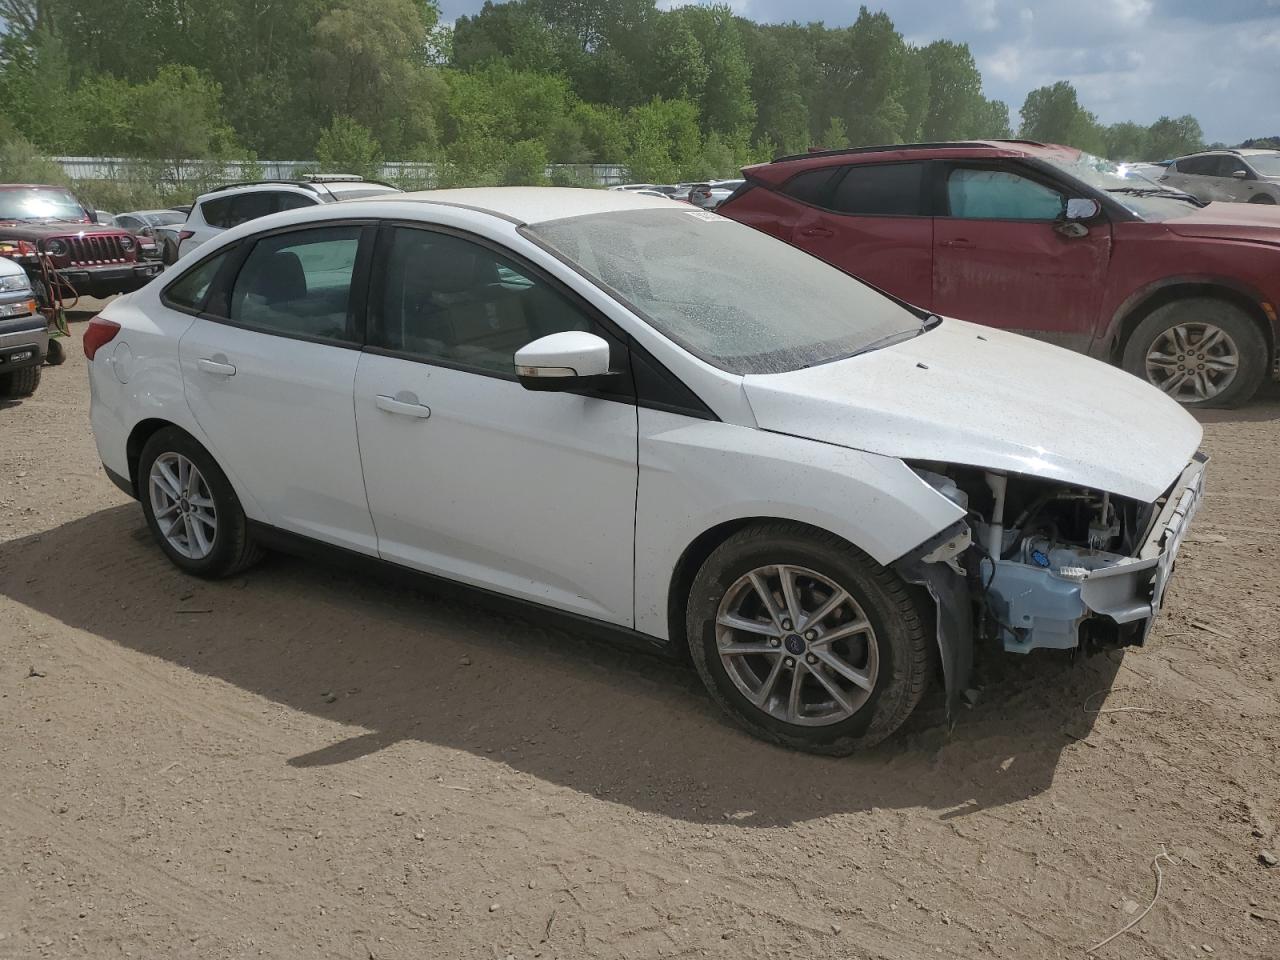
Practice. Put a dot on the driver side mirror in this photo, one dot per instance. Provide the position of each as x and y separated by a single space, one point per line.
1082 208
569 360
1240 174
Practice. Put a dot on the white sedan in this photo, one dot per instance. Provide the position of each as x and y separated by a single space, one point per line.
654 420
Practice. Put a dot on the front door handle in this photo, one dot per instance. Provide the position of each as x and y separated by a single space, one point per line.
404 404
957 242
219 368
822 232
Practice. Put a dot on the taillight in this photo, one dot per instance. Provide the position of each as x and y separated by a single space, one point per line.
99 333
185 235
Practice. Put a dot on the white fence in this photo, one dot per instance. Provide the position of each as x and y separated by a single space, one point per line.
186 171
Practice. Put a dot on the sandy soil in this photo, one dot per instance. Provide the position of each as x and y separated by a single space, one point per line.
309 763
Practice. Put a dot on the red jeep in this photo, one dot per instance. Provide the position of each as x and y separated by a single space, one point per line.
1047 241
49 222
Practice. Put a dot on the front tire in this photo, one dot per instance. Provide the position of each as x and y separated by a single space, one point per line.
20 383
805 641
1201 351
191 507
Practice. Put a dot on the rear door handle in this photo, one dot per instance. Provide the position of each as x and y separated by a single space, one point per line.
817 232
957 242
403 404
217 367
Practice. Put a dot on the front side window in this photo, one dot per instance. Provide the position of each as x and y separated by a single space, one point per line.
1230 166
189 290
450 299
738 298
881 190
299 284
974 194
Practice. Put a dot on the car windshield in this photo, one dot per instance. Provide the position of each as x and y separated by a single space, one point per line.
164 218
40 203
1266 164
1136 192
731 295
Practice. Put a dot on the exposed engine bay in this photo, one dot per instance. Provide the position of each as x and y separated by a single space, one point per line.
1050 565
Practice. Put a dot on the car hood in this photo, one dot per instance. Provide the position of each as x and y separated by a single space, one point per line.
1257 222
55 228
966 394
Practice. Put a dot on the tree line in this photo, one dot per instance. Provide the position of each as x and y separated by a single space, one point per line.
687 93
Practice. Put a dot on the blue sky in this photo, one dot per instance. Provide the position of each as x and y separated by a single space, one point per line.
1129 59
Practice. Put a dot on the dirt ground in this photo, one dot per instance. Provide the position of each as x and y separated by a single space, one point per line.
309 763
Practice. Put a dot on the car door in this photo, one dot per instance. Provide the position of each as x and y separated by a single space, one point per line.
1197 176
1235 179
1003 256
469 475
269 367
871 220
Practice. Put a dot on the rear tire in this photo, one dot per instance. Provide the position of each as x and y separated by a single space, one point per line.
20 383
827 683
1166 346
169 253
1263 198
192 510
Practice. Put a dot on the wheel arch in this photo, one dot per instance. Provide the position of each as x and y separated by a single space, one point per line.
143 431
1141 304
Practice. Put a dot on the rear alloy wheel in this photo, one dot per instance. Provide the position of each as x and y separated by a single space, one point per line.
1201 352
805 641
191 508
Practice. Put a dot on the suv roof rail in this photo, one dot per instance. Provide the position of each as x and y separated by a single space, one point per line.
313 182
883 148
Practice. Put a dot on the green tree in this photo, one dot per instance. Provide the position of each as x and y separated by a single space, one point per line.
956 108
1053 114
834 137
347 147
1174 137
1125 141
663 140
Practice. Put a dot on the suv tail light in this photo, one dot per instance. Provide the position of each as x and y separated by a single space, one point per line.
99 333
185 235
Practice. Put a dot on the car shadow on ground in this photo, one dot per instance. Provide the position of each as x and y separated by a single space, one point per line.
1264 406
405 663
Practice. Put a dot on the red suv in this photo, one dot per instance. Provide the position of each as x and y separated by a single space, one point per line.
1048 241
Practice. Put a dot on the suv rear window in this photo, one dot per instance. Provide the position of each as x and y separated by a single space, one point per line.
238 208
881 190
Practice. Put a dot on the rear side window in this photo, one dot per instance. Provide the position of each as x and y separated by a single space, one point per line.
1199 166
217 212
189 291
811 186
299 284
251 206
292 201
881 190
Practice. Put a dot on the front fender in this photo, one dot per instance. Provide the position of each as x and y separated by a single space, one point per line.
697 474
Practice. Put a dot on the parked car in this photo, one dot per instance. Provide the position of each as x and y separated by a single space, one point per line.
716 193
1047 241
239 203
95 260
147 225
1246 176
24 333
805 485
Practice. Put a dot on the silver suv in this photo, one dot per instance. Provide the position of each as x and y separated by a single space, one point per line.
1244 176
238 203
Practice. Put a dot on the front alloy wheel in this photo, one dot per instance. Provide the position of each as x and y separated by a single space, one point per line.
806 641
1193 362
797 645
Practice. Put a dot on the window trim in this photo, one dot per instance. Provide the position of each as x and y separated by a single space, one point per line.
241 249
229 250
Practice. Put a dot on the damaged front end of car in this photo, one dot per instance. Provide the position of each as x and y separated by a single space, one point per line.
1042 564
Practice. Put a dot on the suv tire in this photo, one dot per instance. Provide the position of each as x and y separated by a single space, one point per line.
199 524
1158 334
777 678
20 383
1263 198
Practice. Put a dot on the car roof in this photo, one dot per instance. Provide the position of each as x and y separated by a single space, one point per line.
319 187
1254 151
784 167
537 204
